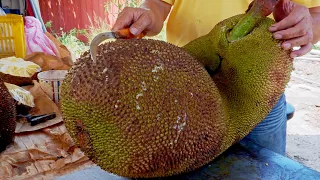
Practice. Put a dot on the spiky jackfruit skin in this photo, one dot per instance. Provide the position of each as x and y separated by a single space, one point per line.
251 73
145 109
149 109
7 117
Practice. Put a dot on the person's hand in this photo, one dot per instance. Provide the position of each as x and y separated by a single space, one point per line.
294 26
137 19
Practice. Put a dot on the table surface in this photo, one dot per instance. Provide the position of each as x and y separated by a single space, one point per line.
244 160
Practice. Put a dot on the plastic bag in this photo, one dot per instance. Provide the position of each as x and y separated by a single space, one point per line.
36 39
2 13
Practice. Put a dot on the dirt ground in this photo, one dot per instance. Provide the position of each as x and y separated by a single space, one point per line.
303 92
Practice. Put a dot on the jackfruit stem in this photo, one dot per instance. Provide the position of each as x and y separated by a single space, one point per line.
245 26
257 12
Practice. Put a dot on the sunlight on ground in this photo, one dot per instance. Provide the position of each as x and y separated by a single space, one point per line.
303 92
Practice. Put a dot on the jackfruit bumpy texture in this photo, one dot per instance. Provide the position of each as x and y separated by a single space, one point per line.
145 109
250 73
7 117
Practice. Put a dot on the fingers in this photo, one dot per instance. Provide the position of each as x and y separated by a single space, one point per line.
302 51
142 23
137 19
307 38
295 29
294 18
300 29
124 20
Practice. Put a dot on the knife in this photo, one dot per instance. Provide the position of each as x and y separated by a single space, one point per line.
36 119
120 34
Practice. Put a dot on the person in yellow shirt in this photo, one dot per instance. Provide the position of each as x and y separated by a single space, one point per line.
297 23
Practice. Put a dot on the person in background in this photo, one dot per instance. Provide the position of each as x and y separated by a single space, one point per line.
297 23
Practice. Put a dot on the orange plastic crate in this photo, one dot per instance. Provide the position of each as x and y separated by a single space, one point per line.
12 37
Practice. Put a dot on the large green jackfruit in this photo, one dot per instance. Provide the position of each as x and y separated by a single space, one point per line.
147 108
251 73
7 117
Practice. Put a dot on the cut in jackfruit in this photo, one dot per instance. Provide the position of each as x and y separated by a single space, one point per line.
23 98
18 67
18 71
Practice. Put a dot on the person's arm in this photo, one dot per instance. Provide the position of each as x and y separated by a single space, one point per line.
149 17
315 13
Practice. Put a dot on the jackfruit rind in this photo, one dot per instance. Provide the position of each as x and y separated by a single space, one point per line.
7 117
19 94
252 73
17 80
24 100
18 71
255 71
145 109
18 67
126 111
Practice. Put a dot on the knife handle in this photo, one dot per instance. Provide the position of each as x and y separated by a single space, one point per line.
126 34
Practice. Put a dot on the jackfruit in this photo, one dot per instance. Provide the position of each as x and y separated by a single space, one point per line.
250 73
18 71
7 117
23 99
148 108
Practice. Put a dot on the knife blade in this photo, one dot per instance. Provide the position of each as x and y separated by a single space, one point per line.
120 34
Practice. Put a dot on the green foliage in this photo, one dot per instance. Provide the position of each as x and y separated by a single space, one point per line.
71 41
315 46
48 24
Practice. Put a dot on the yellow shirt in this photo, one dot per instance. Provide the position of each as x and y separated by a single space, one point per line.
190 19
